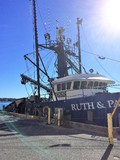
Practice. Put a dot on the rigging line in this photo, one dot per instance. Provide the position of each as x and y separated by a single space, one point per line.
41 18
101 57
31 14
27 91
48 54
75 62
33 52
49 63
28 68
44 81
106 71
96 58
116 87
85 37
53 74
71 58
46 57
47 67
67 26
33 89
33 55
28 71
48 20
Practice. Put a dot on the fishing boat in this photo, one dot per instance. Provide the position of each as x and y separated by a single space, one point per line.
82 95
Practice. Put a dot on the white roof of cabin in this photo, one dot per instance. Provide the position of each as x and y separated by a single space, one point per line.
87 77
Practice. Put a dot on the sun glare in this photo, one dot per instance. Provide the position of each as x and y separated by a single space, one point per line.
111 15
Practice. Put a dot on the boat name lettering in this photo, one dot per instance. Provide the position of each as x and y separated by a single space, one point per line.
93 105
112 103
84 106
100 105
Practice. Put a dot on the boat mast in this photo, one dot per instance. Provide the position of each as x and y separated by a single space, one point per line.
79 21
61 55
36 47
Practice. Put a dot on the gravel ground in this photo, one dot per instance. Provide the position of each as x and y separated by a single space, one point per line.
22 139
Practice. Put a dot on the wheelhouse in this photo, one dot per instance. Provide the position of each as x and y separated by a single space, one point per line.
82 85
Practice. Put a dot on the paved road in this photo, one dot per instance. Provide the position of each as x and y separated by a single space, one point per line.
22 139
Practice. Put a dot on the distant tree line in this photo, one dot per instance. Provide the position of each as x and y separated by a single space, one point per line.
7 99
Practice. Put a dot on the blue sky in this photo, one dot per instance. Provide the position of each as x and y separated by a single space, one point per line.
98 36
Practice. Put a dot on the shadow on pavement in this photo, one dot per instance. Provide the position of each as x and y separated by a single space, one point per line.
60 145
107 152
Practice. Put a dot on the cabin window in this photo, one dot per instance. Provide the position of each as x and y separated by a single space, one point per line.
58 87
90 85
63 86
102 85
68 85
76 85
95 85
83 84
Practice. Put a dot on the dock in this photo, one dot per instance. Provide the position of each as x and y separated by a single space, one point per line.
25 139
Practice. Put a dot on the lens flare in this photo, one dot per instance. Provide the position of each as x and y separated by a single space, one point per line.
111 15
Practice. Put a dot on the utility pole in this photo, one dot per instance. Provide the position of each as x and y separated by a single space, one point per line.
36 46
79 21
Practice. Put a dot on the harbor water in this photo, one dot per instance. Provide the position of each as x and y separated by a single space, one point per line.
3 104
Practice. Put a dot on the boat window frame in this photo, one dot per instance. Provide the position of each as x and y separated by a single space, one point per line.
77 86
68 85
102 85
83 86
96 86
60 87
89 86
63 86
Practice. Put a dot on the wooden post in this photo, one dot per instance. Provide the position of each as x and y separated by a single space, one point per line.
116 106
58 117
110 125
110 128
49 115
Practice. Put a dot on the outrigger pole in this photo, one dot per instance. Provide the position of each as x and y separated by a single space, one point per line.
79 21
36 47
